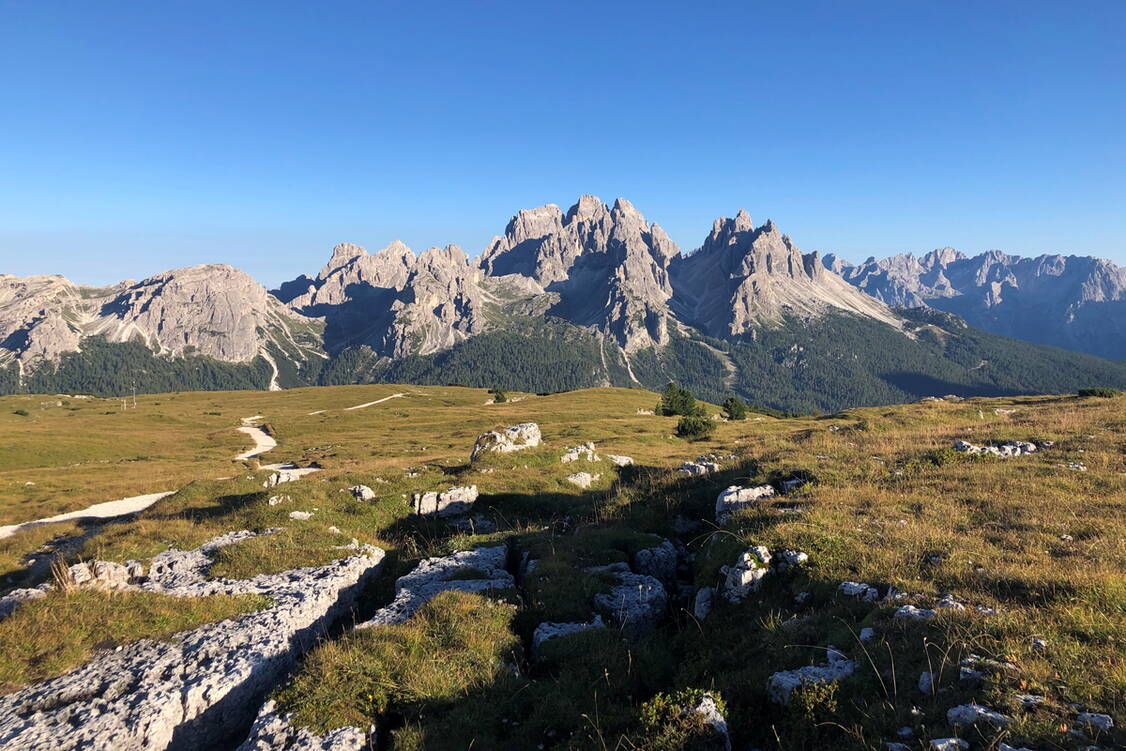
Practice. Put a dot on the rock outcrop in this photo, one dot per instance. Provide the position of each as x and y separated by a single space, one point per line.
201 688
445 574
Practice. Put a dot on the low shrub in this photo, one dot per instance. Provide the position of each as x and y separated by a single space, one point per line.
695 427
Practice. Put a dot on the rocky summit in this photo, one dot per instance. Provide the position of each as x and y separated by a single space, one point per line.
596 295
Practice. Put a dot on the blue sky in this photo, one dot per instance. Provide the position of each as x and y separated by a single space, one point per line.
141 136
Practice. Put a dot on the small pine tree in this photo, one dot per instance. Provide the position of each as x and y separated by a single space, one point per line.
677 401
498 396
734 409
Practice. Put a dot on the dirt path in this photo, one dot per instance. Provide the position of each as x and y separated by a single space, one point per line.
263 442
106 510
377 401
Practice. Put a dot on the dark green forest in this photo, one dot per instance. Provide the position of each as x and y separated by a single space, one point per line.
836 362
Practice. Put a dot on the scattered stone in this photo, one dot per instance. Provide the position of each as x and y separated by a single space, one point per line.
781 685
966 715
276 499
362 493
948 744
1003 450
1039 645
926 682
17 597
788 559
300 516
896 746
1099 722
867 634
1077 466
335 530
969 674
658 561
905 732
702 605
583 479
949 601
620 461
696 468
802 598
709 712
526 435
582 451
548 630
277 478
433 576
635 605
859 589
912 613
746 576
737 497
1002 746
456 500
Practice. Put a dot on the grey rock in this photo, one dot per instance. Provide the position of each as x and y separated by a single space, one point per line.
966 715
781 685
948 744
583 479
549 630
520 437
736 497
912 613
456 500
635 605
702 604
658 561
1093 721
362 493
620 461
582 451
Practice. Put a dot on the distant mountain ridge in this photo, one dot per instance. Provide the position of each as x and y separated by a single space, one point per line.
596 295
1073 302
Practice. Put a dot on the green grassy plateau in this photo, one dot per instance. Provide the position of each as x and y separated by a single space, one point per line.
886 502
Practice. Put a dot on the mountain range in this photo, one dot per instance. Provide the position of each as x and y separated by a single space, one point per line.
1073 302
595 295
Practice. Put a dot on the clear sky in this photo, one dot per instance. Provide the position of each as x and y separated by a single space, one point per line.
137 136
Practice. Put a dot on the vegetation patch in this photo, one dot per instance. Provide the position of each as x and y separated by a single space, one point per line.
47 637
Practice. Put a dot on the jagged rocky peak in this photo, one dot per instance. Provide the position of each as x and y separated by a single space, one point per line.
440 304
351 266
543 243
608 265
743 276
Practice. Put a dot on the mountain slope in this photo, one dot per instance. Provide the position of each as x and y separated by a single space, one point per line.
195 316
1073 302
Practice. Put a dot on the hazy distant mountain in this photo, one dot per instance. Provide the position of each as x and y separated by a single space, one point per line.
1073 302
596 295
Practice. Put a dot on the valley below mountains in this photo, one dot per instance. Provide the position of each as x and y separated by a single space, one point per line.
596 295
